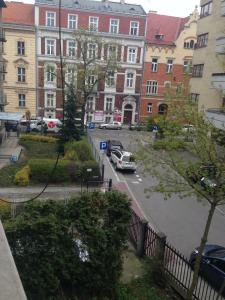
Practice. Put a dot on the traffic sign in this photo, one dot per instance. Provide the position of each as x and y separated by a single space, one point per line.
91 125
103 145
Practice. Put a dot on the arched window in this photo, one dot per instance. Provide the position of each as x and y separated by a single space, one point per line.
162 109
192 43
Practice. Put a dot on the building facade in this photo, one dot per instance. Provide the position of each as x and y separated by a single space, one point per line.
20 58
170 43
121 24
208 80
3 100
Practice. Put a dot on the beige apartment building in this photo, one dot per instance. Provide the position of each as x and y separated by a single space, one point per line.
208 77
20 56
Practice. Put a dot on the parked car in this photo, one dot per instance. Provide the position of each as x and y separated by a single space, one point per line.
212 266
138 126
49 125
113 145
11 125
123 160
111 125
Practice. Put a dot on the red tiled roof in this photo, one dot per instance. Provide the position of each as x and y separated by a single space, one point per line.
168 26
18 13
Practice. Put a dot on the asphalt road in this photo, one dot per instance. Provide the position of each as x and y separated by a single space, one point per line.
182 220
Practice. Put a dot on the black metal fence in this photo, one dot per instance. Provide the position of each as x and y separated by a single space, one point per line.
176 266
97 155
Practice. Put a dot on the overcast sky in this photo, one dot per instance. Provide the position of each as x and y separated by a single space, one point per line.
178 8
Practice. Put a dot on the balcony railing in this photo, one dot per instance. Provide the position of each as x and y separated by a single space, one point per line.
2 35
220 45
222 8
3 99
218 81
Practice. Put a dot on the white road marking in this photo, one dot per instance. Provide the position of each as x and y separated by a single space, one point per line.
137 175
140 179
135 182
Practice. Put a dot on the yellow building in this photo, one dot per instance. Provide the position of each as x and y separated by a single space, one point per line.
20 58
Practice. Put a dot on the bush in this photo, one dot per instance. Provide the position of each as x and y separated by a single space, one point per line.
38 138
82 148
66 170
169 145
5 210
71 155
22 177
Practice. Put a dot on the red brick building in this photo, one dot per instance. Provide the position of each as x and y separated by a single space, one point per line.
121 23
170 42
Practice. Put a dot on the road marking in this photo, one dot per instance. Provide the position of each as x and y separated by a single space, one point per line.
135 182
140 179
221 211
137 175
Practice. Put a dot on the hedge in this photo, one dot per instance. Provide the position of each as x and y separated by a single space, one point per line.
82 149
169 145
38 138
22 177
66 170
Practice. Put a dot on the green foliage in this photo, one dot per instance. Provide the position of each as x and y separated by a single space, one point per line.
22 177
5 210
38 138
44 243
219 136
82 149
169 145
150 123
71 155
35 149
7 174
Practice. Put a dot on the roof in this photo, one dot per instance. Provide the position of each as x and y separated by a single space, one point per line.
18 13
98 6
167 26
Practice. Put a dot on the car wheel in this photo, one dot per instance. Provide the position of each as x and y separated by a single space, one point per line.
115 167
192 263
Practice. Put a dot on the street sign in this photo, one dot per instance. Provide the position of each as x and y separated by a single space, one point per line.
91 125
103 145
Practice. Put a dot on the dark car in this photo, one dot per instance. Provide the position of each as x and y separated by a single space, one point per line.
202 174
212 266
11 125
138 126
113 145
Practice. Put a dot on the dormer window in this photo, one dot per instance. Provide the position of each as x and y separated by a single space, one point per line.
190 44
159 37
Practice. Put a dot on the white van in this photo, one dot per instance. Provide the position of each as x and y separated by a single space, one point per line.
46 124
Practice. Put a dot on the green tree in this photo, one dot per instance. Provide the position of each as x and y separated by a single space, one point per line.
73 250
206 161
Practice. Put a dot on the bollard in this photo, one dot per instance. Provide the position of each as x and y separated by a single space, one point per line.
141 238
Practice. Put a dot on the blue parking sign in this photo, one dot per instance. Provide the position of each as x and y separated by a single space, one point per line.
103 145
91 125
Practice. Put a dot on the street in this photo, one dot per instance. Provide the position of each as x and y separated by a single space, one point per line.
182 220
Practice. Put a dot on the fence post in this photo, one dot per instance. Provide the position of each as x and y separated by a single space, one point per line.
141 236
160 246
110 184
103 172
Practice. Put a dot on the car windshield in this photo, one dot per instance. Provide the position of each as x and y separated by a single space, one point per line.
116 147
220 253
129 158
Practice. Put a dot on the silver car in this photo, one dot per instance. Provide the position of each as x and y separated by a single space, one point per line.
123 160
111 125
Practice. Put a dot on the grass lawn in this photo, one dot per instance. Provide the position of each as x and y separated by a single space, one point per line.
31 150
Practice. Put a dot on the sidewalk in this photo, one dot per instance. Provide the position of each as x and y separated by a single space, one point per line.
7 149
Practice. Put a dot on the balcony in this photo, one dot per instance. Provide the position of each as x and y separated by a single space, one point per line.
220 45
216 116
218 81
2 35
222 8
3 99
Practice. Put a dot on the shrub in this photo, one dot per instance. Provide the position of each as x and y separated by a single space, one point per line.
22 177
169 145
5 210
38 138
82 148
71 155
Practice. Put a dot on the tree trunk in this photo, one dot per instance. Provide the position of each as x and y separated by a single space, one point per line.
201 248
82 117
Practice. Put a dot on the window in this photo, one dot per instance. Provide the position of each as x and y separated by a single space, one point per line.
91 80
92 50
72 21
107 120
194 97
70 75
179 88
130 80
93 24
22 100
154 64
132 55
21 48
111 79
50 47
169 66
114 26
21 74
167 84
149 108
71 48
50 74
202 40
109 104
112 51
134 28
206 9
187 66
152 87
90 103
189 44
197 70
50 100
50 19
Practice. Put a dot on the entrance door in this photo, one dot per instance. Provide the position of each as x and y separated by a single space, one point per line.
128 110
